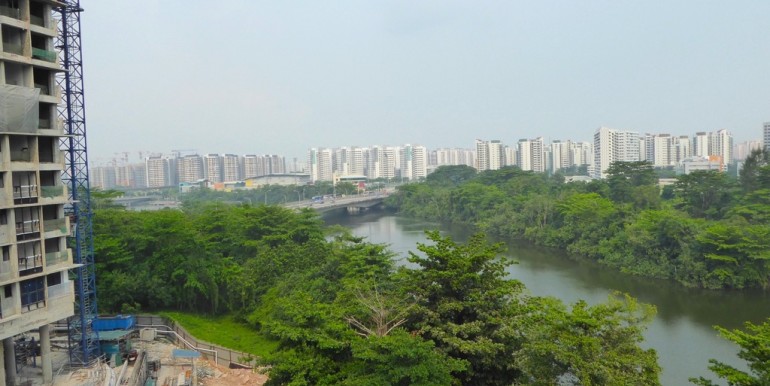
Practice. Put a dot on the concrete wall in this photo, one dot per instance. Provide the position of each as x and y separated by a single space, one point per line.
224 356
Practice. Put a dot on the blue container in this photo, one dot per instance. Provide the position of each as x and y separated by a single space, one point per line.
118 322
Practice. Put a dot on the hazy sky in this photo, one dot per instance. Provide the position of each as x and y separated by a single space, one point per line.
246 76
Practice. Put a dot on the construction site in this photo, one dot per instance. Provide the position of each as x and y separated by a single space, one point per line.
140 350
49 325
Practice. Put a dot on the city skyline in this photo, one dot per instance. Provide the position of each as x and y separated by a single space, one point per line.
133 156
257 76
715 150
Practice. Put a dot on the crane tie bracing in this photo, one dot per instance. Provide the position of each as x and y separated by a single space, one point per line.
83 338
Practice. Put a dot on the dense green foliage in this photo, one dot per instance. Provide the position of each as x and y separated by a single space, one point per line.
707 230
755 350
338 311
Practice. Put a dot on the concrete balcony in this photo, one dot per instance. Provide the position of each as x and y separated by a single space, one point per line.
58 259
43 54
50 95
6 234
53 194
24 228
8 308
21 318
56 227
21 156
4 202
53 161
63 290
10 48
11 12
25 191
6 271
31 262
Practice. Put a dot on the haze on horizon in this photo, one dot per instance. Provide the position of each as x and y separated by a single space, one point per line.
244 76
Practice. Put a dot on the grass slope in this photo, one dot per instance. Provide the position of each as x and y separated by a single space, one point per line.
224 331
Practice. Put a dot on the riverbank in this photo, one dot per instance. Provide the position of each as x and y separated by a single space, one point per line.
681 332
703 231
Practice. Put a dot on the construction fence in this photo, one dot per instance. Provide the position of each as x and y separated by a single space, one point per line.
223 356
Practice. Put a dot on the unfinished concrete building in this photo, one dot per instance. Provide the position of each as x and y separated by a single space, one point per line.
35 289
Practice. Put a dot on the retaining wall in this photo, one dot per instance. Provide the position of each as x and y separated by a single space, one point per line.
224 356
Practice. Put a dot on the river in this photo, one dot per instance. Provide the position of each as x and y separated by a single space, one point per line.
681 332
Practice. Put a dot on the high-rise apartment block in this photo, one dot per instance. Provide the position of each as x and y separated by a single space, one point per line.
213 168
721 145
700 144
414 162
663 150
231 168
319 162
614 145
490 155
743 149
530 155
766 135
453 157
161 171
560 155
190 168
386 162
718 143
34 279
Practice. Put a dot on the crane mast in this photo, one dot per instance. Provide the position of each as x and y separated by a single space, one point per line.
83 338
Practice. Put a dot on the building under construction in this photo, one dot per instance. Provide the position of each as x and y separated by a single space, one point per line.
35 288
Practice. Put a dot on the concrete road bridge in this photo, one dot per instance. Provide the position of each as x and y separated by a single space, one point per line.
354 204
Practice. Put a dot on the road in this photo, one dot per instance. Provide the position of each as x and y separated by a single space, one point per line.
339 202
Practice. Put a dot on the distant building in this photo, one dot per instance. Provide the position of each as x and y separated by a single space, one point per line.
102 177
231 168
743 149
530 155
414 162
766 135
278 179
319 161
614 145
454 157
718 143
212 168
489 155
702 163
160 171
190 168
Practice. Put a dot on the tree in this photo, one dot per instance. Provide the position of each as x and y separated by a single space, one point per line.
704 193
755 171
588 345
105 199
399 359
463 304
755 350
451 175
588 219
630 182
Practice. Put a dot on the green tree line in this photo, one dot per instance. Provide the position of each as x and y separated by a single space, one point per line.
705 230
342 312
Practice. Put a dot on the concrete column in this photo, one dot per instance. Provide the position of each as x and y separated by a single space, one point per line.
2 364
10 362
45 353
